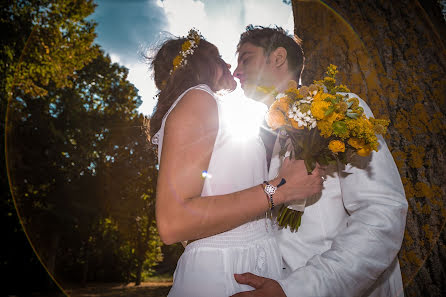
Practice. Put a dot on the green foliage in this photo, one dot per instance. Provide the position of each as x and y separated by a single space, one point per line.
46 41
81 172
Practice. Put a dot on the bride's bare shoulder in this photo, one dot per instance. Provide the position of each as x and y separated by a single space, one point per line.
196 105
195 114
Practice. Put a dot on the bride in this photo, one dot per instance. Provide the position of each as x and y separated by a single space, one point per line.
204 175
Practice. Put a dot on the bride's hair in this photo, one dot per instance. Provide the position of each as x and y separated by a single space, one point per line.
201 68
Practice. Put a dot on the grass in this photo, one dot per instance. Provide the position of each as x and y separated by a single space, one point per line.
153 287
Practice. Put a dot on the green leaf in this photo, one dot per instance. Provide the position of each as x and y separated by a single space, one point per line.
329 110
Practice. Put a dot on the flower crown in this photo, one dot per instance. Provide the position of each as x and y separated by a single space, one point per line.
187 48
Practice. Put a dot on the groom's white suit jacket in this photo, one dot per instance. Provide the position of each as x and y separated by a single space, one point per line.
350 235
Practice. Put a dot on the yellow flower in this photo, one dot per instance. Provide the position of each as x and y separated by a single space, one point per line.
325 127
365 151
329 81
185 46
176 61
356 143
362 149
293 93
281 104
355 102
379 125
312 89
343 88
341 107
317 97
275 119
336 146
334 116
318 108
362 128
292 84
304 107
379 129
304 91
332 70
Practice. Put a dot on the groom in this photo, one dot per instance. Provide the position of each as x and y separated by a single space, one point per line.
349 238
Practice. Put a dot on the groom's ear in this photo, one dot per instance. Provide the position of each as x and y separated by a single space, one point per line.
279 56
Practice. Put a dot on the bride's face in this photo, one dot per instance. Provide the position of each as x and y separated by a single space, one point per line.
223 79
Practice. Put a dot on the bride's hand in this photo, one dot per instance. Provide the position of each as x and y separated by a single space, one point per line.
299 184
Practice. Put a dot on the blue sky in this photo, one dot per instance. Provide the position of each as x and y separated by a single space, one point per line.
128 27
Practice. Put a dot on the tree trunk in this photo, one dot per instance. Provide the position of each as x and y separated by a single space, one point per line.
139 271
86 256
393 55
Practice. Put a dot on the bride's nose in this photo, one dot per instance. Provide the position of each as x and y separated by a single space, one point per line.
229 65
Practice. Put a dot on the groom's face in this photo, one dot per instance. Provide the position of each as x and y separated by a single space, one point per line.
254 69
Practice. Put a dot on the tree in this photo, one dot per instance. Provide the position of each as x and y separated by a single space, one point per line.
42 41
392 54
94 174
78 160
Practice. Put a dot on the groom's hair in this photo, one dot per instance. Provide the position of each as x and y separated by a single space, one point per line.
270 39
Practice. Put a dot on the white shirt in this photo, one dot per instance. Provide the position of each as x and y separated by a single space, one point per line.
350 235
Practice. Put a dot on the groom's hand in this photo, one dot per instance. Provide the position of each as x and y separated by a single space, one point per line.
264 287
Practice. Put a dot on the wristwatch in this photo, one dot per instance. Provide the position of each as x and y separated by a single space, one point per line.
270 190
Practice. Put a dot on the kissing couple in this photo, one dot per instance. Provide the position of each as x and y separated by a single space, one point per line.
354 218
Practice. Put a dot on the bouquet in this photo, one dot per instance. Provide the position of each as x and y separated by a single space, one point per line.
324 125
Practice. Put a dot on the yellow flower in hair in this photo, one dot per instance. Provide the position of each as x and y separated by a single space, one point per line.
336 146
187 48
177 61
186 45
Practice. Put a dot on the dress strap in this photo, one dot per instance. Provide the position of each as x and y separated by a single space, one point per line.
202 87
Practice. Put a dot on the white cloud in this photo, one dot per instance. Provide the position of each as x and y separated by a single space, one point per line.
183 15
115 58
268 13
220 22
140 76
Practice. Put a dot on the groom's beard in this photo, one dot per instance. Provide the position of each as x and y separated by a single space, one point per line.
251 91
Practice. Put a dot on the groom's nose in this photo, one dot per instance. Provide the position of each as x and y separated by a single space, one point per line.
237 72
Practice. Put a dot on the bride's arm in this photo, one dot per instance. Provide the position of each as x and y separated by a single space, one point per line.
189 138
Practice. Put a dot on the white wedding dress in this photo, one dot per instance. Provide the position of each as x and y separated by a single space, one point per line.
207 266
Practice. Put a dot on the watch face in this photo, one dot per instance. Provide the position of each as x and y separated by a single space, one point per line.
269 189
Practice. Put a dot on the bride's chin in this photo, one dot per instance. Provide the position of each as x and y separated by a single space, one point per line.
232 85
228 86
